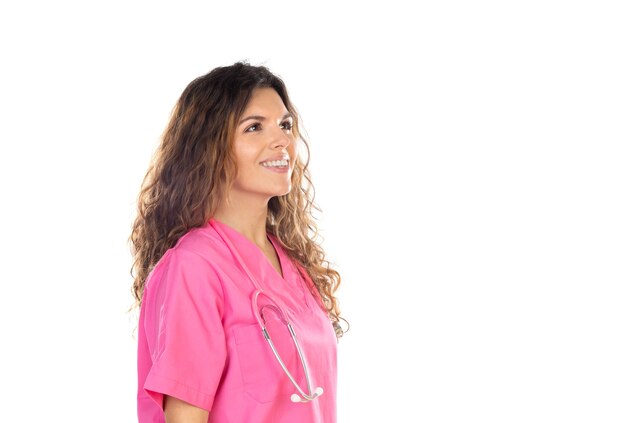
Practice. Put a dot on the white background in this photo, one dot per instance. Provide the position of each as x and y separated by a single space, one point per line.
468 158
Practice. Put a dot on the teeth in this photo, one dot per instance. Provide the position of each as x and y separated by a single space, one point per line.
279 163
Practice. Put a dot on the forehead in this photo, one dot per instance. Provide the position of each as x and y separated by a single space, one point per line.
265 99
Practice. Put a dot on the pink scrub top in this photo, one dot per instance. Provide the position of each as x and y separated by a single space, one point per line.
198 339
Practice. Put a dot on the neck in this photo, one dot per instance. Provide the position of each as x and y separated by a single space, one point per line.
247 216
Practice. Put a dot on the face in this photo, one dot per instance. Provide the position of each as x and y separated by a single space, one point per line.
263 138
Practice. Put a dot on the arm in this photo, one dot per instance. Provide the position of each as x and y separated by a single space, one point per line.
178 411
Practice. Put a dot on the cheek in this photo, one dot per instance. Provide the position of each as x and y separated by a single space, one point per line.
294 146
245 154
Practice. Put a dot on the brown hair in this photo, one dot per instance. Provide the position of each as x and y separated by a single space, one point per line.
194 167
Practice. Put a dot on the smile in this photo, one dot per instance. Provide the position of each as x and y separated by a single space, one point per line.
276 163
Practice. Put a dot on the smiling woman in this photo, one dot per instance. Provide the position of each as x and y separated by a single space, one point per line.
238 320
265 147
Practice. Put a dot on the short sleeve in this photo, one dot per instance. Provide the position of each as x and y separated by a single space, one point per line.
190 348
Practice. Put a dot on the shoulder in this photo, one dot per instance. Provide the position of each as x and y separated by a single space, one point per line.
195 259
187 271
204 242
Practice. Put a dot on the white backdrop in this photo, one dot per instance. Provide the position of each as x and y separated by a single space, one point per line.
468 158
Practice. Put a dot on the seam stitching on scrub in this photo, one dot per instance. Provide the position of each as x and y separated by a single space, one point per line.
207 396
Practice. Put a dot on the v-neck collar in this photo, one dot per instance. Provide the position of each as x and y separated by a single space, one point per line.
281 263
289 288
249 250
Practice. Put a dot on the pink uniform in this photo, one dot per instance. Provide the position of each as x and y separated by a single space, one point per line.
200 342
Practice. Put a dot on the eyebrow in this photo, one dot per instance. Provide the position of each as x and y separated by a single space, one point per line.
259 117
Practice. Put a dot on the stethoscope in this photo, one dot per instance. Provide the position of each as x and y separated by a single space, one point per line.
258 314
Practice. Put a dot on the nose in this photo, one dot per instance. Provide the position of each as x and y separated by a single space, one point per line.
279 138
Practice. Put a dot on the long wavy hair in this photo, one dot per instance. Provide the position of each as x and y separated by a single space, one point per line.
194 168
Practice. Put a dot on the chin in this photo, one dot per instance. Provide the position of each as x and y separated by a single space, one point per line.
280 193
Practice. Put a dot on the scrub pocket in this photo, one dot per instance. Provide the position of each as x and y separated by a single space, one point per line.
263 377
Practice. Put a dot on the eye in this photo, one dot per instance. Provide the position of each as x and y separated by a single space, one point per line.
252 126
288 125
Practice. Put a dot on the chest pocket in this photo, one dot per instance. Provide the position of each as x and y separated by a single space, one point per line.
263 377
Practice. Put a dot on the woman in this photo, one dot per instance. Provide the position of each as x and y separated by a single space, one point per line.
222 248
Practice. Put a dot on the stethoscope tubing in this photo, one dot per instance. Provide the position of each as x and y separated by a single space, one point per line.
304 397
